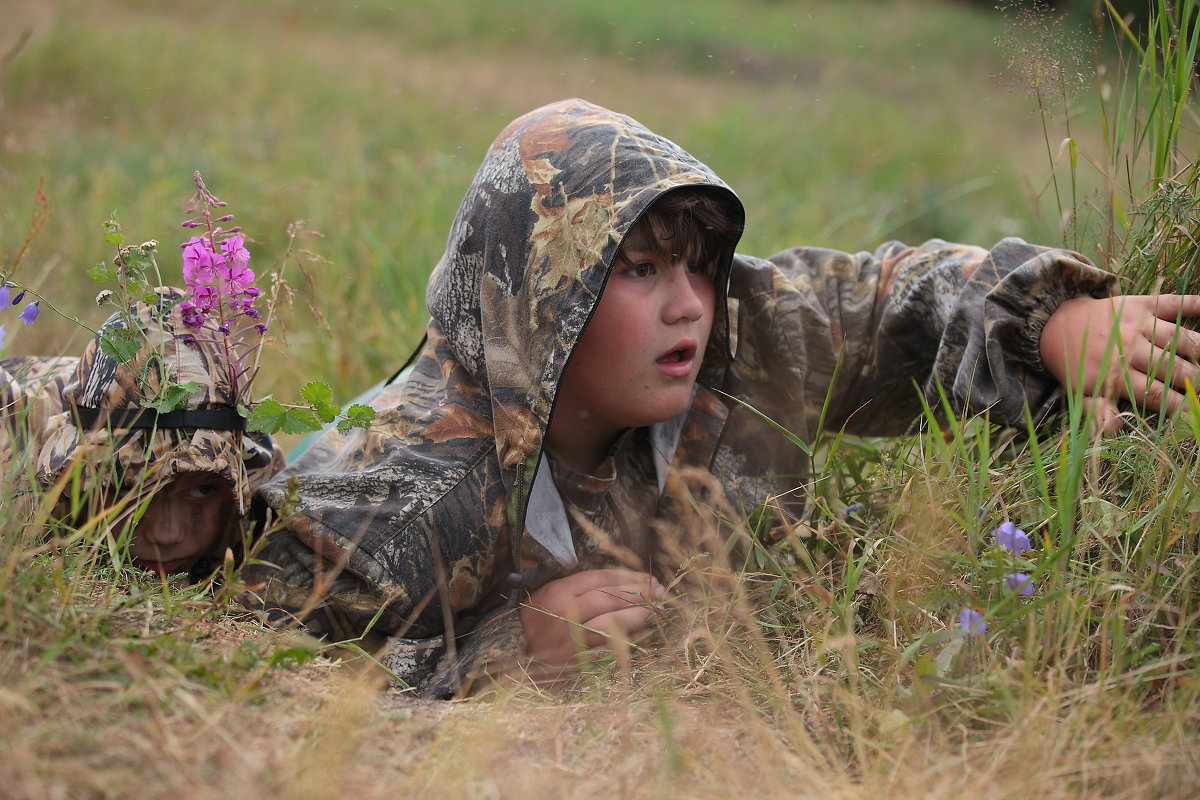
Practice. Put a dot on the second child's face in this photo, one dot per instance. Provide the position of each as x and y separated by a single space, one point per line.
641 352
183 523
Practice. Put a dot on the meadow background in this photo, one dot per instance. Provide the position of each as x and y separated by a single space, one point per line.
835 667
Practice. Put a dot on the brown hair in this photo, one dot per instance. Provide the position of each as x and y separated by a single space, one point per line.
695 223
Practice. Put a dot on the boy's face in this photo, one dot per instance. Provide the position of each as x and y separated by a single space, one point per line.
183 523
641 352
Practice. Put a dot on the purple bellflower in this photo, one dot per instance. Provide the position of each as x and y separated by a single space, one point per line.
30 313
1012 538
971 623
1020 583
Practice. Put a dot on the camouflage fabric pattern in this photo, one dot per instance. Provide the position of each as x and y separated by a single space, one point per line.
41 398
408 529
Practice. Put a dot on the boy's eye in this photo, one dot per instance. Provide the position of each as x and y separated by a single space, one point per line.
641 269
202 490
697 268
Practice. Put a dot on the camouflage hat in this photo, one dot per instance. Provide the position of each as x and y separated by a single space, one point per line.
105 413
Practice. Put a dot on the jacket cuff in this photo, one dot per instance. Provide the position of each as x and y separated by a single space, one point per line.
491 649
1035 290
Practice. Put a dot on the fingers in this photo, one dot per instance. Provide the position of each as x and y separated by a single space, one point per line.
589 594
1156 396
586 611
629 623
581 583
1173 306
607 599
1175 338
1161 364
1105 415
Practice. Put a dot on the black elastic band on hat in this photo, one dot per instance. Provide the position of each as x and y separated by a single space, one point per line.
224 418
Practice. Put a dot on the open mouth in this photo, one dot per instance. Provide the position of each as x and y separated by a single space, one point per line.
678 355
679 361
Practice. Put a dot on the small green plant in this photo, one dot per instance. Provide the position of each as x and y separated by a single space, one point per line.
220 306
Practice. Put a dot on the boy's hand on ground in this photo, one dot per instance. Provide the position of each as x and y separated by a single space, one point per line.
588 610
1123 346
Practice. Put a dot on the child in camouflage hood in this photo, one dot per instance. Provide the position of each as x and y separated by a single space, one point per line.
83 418
593 338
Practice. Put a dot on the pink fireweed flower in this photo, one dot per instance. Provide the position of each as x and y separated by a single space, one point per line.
217 274
200 263
206 298
235 249
218 277
192 316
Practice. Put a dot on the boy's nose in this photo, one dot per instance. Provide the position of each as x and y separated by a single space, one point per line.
684 301
161 529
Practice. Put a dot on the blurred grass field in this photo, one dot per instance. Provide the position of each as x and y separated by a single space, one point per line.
833 667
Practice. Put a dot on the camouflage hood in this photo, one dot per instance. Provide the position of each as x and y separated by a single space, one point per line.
104 412
529 254
444 475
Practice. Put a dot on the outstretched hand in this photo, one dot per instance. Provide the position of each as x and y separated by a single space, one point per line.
1124 347
588 610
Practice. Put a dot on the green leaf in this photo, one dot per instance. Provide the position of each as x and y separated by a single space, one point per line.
112 231
356 416
317 393
120 344
327 412
301 420
268 416
172 396
320 397
102 273
944 661
271 416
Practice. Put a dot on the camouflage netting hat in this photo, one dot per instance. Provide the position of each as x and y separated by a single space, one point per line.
106 424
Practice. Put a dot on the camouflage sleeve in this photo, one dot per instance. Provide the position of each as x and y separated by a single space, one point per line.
360 561
436 669
30 394
962 318
481 649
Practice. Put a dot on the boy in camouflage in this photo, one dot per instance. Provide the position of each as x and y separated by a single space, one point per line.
595 340
84 419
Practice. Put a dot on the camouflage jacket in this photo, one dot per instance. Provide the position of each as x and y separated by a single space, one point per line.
416 528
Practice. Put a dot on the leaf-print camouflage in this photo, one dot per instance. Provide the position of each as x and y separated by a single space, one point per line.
411 530
41 400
